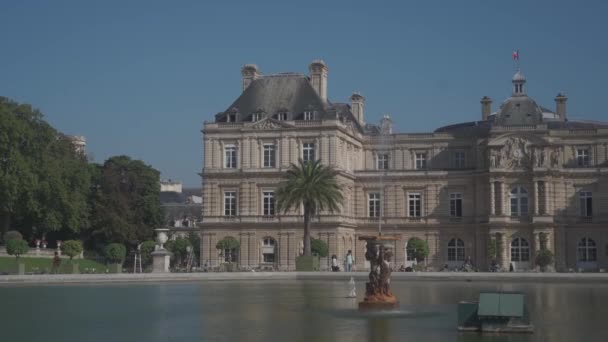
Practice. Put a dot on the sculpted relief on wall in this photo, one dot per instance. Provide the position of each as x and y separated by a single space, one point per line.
519 153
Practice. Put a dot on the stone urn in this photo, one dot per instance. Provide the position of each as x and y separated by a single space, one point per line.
161 237
378 295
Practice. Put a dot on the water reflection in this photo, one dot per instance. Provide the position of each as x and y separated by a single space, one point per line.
286 311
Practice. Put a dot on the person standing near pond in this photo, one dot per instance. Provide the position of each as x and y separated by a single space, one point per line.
349 261
334 263
56 263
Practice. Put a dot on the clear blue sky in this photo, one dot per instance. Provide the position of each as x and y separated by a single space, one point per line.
140 77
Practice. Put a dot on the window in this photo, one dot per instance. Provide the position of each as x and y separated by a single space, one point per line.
268 247
587 250
374 204
582 157
420 161
414 205
230 156
231 118
586 203
308 115
520 250
456 205
268 202
382 161
456 250
230 203
308 152
282 116
269 155
519 201
459 159
255 117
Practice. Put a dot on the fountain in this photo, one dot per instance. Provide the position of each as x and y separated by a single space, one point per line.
353 289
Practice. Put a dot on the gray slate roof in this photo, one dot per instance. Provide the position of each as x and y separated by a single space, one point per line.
519 110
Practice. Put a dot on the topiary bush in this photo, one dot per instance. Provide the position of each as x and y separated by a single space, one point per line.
179 248
17 248
544 258
319 247
71 248
228 243
115 253
12 235
418 248
147 247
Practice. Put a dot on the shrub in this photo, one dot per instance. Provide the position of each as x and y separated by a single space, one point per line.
17 248
71 248
115 253
12 235
495 247
179 248
418 248
147 247
544 258
319 247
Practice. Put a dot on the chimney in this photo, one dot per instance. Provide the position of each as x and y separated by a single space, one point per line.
249 72
386 125
318 77
486 108
357 106
560 106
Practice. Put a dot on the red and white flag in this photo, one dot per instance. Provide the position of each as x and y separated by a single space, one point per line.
516 55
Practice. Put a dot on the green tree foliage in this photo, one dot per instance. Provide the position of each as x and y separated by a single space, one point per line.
319 247
12 235
115 253
126 202
495 247
195 241
544 258
17 247
179 248
418 248
72 248
313 186
43 181
228 243
147 247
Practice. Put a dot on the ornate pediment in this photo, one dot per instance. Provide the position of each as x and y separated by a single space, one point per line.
268 123
520 151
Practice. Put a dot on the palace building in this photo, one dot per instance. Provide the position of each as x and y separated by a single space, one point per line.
523 175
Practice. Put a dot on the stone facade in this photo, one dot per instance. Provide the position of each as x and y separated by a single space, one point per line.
523 174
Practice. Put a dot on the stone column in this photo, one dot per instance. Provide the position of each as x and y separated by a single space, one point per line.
546 197
504 256
502 195
536 201
492 198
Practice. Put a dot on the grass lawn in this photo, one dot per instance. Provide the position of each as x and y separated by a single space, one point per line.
38 265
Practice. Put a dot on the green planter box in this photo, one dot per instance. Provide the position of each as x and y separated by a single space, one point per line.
115 268
307 263
68 268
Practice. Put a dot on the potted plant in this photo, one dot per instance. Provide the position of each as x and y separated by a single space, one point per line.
228 247
17 248
115 253
544 258
72 248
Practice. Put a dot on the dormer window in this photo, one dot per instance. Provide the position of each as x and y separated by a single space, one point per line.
255 117
231 118
308 115
282 116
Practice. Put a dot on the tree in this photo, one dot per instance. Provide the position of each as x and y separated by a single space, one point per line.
229 244
319 247
17 248
43 181
179 248
147 247
125 202
312 186
12 235
115 253
495 247
418 248
544 258
72 248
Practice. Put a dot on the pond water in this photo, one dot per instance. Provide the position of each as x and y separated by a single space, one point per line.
284 311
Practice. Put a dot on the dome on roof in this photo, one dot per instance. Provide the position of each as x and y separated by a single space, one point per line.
519 77
519 110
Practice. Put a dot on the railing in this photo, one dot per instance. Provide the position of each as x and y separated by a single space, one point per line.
518 128
307 123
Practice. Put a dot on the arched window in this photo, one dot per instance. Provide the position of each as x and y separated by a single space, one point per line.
587 250
520 250
519 201
456 250
268 249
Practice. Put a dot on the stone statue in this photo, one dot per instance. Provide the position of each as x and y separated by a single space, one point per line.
554 157
378 293
540 157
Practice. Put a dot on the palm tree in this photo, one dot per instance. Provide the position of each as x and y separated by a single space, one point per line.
313 186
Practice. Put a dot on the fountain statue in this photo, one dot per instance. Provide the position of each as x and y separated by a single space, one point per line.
378 293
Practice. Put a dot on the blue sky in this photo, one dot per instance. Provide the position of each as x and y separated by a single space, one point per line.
140 77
